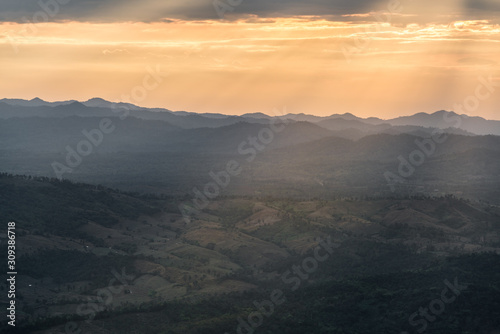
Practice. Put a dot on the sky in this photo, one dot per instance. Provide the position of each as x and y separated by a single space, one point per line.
367 57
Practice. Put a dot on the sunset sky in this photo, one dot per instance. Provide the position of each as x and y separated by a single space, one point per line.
317 57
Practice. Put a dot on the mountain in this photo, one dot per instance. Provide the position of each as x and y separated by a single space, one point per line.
101 108
303 159
211 223
140 135
421 123
340 123
448 119
227 139
154 150
36 102
256 115
99 103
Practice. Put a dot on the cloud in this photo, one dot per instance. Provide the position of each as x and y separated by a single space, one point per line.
158 10
103 10
487 5
118 51
164 10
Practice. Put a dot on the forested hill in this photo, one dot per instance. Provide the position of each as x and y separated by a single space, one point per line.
390 256
48 205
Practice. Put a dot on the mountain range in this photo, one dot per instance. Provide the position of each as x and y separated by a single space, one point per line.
358 127
295 155
208 213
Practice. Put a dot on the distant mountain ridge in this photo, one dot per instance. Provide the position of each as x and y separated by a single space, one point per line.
153 150
348 125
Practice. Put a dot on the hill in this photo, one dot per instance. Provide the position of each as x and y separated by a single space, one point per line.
239 249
